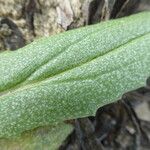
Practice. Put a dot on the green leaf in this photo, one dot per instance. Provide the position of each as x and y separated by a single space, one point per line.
70 75
43 138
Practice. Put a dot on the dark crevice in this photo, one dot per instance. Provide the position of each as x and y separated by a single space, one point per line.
15 40
117 7
30 8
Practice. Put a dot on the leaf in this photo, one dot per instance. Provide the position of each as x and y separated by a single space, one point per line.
70 75
43 138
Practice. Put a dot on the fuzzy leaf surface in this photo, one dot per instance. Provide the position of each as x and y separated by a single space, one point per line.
70 75
43 138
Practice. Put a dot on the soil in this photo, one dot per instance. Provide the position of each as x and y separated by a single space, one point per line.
122 125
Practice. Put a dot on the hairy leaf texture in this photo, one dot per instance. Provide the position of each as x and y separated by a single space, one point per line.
71 74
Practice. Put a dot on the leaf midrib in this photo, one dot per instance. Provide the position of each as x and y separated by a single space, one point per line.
25 86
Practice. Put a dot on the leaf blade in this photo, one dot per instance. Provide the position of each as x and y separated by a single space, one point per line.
77 83
47 137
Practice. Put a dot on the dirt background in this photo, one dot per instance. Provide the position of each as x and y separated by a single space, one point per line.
122 125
